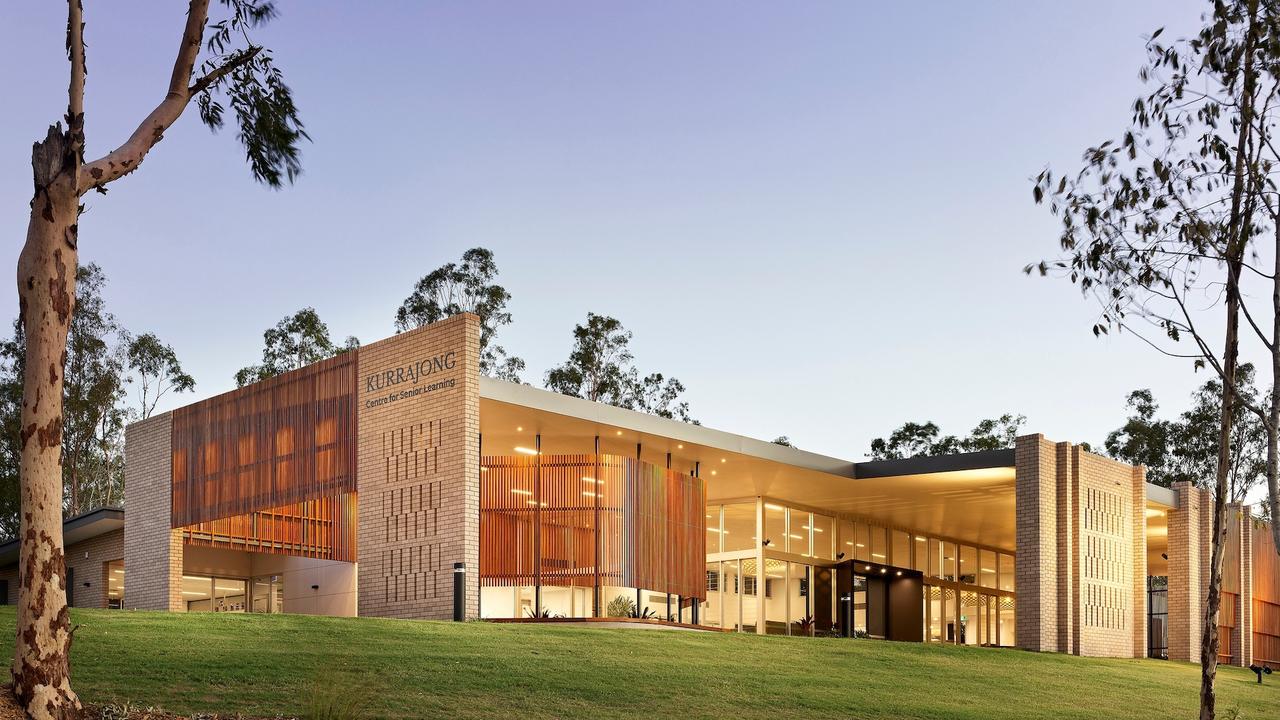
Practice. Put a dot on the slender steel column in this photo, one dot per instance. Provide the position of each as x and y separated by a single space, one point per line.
595 587
666 576
639 450
537 526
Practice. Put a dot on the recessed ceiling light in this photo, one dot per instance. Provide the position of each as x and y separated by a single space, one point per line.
519 428
619 432
679 447
526 451
722 460
713 472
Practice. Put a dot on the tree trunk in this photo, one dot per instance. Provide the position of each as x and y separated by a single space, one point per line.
46 296
1209 637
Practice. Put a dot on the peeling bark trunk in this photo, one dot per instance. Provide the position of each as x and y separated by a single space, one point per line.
46 296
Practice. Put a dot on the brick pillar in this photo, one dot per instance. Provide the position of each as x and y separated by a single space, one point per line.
419 470
1186 586
1036 568
1244 614
1140 562
1068 549
152 548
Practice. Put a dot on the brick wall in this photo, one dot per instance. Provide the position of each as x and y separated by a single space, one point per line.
88 562
418 476
1036 571
1185 585
152 548
1080 571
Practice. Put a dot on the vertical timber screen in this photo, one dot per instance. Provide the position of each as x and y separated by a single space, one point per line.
271 466
652 524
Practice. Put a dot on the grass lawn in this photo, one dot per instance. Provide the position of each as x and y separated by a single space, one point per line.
264 665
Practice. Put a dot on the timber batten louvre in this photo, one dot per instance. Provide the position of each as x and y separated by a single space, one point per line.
1266 597
271 466
538 524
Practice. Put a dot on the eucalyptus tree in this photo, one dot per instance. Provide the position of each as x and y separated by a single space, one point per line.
157 370
1163 222
466 286
93 412
297 340
1185 448
601 368
217 70
913 439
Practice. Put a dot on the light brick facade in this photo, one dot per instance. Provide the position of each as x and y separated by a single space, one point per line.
419 469
152 548
87 560
1081 561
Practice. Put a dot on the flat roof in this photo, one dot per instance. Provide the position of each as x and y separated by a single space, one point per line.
607 418
84 526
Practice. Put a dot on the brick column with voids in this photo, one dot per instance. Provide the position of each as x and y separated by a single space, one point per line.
1080 571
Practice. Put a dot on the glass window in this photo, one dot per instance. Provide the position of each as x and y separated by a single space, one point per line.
115 584
798 532
845 538
739 531
801 598
1006 572
862 542
775 597
197 591
1005 626
749 600
229 595
732 593
859 606
969 618
823 536
968 565
986 568
948 551
879 545
920 557
713 529
261 594
901 550
935 558
775 526
933 610
712 613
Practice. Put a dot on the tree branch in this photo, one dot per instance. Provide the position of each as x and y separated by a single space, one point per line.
216 74
75 89
126 158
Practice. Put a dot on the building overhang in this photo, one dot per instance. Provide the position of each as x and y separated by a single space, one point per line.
85 526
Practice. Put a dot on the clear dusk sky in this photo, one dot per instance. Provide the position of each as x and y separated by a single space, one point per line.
814 214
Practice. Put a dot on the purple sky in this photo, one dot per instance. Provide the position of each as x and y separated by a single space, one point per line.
814 214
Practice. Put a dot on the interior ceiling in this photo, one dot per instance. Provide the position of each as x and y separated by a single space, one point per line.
968 505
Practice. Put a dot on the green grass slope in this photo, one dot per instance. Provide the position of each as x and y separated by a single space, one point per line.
265 665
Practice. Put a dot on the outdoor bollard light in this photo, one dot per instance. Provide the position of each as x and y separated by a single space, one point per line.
459 590
847 620
1259 670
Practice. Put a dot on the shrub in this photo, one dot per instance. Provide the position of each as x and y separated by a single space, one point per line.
621 606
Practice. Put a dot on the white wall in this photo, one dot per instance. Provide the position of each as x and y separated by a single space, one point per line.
334 595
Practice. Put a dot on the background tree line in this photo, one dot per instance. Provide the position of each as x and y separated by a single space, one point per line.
112 378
